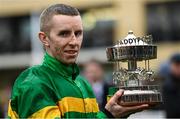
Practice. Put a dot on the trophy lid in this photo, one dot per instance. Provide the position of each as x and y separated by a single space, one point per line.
130 35
132 48
130 40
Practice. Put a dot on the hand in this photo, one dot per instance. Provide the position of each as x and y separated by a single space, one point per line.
117 110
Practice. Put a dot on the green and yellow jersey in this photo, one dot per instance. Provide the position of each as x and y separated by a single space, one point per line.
53 90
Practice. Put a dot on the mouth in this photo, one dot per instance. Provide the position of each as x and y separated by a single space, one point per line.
71 52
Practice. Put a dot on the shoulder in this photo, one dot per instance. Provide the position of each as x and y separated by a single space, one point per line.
33 73
30 79
27 76
32 91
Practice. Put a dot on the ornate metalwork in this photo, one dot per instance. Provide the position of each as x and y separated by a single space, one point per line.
132 50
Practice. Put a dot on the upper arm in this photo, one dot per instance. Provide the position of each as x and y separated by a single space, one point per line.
33 101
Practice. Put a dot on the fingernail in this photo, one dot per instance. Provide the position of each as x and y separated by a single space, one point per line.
145 105
121 90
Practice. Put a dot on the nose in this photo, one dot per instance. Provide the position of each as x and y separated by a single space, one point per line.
73 40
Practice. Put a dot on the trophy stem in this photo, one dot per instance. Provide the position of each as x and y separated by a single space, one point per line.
132 65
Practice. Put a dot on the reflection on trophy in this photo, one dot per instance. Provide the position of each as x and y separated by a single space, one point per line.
133 50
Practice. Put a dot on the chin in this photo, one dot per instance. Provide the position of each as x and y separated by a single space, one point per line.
70 61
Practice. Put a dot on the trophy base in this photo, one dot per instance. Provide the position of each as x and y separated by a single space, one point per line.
138 103
137 96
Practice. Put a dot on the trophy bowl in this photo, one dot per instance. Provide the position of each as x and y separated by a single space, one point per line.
134 49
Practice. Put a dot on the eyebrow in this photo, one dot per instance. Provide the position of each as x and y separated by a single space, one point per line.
68 29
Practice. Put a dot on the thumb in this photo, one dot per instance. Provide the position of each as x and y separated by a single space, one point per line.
117 95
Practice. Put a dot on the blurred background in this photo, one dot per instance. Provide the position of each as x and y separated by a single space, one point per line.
105 22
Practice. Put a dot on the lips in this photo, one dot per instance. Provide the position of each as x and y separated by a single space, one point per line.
71 52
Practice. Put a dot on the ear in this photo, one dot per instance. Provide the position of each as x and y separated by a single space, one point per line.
44 39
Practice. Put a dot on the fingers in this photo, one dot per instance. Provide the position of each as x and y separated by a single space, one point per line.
137 108
116 96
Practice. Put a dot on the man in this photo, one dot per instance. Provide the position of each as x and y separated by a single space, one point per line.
171 88
55 88
94 73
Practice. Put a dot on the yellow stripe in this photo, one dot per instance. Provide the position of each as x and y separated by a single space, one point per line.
67 104
71 104
109 97
12 113
47 112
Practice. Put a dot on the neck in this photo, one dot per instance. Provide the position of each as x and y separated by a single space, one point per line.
58 59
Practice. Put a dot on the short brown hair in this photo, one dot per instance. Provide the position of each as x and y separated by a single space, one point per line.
52 10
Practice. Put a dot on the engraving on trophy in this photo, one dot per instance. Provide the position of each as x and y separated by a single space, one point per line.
134 49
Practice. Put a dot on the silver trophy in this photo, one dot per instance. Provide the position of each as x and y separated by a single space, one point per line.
133 50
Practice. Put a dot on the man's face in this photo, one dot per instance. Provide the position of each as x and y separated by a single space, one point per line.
65 38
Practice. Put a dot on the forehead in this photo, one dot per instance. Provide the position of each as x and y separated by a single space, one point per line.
64 21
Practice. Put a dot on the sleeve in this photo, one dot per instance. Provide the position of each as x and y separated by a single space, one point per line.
30 101
104 114
101 115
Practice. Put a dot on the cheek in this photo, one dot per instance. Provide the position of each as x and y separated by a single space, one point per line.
58 53
80 42
60 44
58 47
58 50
